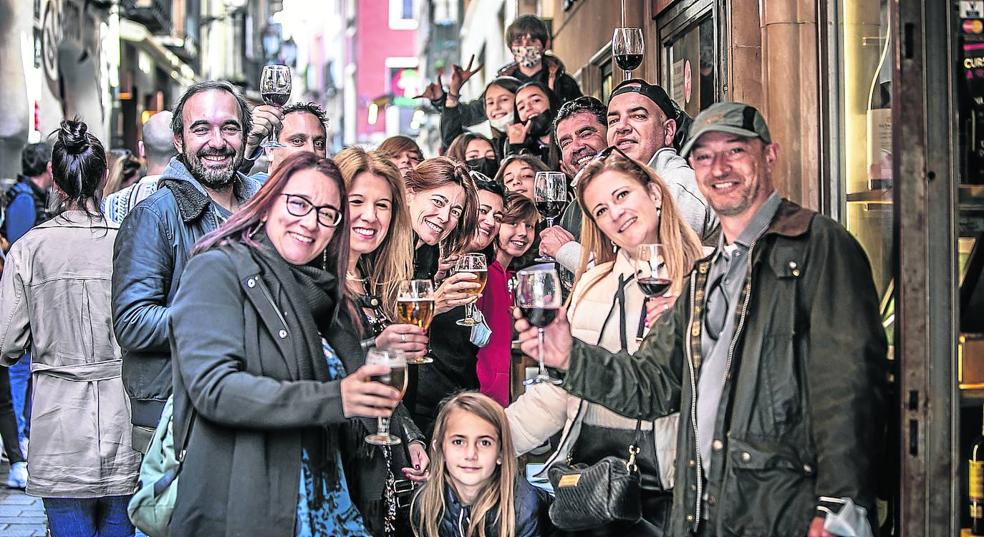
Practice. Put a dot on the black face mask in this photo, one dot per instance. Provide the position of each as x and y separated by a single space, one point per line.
539 125
486 165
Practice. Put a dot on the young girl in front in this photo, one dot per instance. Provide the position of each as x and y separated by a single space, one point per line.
475 491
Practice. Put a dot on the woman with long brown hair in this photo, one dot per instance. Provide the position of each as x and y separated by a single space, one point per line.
476 490
258 383
624 204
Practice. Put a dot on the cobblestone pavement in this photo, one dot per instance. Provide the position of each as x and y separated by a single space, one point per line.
20 515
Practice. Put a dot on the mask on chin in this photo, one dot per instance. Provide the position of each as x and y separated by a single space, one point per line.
502 123
528 56
485 165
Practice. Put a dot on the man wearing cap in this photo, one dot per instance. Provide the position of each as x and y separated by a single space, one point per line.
643 122
774 356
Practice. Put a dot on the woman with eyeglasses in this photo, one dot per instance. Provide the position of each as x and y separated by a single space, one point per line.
380 259
258 383
625 204
443 207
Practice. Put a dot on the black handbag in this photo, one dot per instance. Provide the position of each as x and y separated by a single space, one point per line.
593 496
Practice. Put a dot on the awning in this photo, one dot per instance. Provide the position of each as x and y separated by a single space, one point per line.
138 35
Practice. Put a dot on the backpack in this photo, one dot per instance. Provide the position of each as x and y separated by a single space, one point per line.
151 506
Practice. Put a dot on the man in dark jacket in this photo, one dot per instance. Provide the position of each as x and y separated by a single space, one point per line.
199 189
774 356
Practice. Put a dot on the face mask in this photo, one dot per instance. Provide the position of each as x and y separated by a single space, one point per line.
485 165
539 125
500 124
851 521
528 56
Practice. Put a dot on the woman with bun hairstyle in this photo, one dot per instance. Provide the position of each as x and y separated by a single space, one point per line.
55 299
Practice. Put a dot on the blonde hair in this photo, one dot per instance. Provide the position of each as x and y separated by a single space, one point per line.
392 262
681 247
497 496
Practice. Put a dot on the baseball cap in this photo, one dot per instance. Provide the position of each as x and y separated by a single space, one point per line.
652 92
734 118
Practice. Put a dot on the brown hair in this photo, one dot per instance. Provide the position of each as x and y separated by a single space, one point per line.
437 172
519 208
392 262
535 163
241 225
681 247
497 497
394 145
459 146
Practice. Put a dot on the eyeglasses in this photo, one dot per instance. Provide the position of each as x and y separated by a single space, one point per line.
328 215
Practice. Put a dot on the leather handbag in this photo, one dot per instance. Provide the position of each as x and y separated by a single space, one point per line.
593 496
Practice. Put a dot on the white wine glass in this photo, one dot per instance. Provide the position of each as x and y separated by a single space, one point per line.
396 377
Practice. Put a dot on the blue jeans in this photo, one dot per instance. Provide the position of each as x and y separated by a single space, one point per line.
20 392
88 517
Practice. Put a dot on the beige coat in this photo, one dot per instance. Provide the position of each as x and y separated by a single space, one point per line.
546 409
55 302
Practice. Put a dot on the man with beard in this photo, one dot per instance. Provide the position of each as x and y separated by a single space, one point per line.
643 123
199 189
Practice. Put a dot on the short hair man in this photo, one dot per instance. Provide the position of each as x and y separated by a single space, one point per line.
27 200
642 122
157 149
299 127
580 130
776 351
198 190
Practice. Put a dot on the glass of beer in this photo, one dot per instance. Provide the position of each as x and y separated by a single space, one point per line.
415 305
396 378
474 264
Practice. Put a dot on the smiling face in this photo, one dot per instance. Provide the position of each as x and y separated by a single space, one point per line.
479 148
211 140
300 239
531 101
518 177
436 212
498 102
471 451
626 211
370 213
515 238
490 207
638 127
734 173
301 131
580 138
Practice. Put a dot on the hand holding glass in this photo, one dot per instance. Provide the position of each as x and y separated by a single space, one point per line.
275 86
550 198
415 305
538 295
474 264
650 271
396 378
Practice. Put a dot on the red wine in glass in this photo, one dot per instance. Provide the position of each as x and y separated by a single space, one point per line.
628 62
276 98
654 286
550 209
539 317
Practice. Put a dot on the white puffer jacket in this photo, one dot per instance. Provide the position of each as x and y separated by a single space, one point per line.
545 409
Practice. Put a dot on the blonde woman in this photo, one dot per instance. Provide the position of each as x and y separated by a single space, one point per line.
624 205
477 491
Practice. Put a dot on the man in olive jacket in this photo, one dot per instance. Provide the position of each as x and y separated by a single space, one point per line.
774 355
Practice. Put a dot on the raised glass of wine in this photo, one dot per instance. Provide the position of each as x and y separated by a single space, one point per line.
550 198
627 48
475 264
539 297
650 270
415 305
396 378
275 87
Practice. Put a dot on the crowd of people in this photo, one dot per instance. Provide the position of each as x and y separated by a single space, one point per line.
232 311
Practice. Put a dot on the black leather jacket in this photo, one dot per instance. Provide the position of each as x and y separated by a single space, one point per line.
803 406
152 249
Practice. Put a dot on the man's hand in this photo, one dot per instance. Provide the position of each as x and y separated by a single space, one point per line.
266 119
459 76
557 340
516 133
816 529
552 238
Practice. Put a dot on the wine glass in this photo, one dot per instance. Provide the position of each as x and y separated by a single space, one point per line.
650 270
396 378
627 47
415 305
550 198
275 89
538 295
475 264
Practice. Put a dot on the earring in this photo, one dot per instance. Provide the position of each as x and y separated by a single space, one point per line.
498 461
255 229
324 259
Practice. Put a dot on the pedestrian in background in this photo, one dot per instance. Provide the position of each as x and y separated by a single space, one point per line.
264 390
402 151
157 149
55 296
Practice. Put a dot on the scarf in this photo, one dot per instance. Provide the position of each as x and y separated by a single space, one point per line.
309 298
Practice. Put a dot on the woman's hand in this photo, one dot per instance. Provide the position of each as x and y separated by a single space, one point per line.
409 338
451 293
516 133
366 399
444 266
418 473
657 306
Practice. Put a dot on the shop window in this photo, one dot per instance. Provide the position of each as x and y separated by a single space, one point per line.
689 73
402 15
